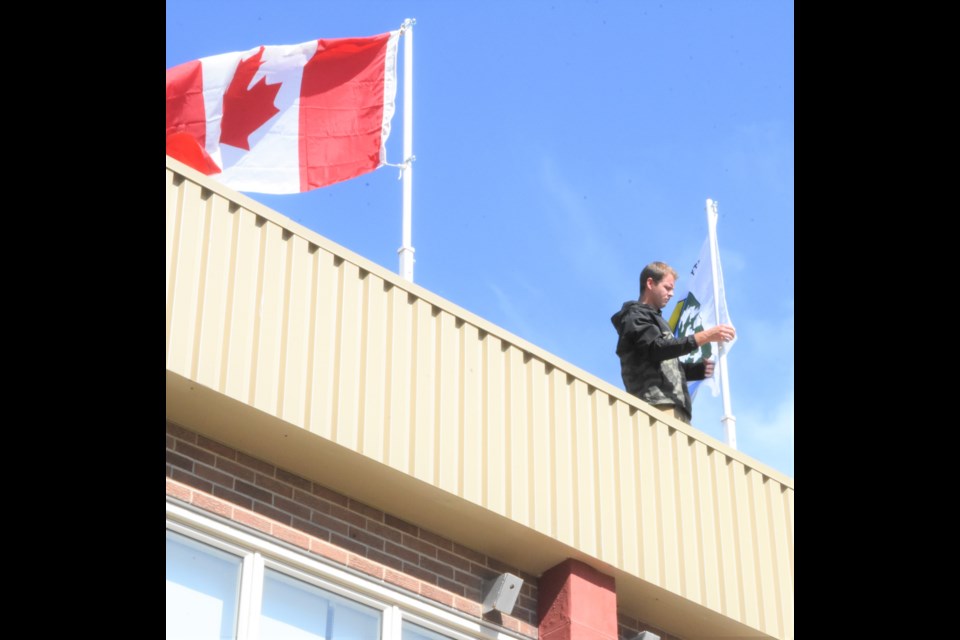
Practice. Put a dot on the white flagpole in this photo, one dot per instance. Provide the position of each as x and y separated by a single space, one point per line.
728 419
406 250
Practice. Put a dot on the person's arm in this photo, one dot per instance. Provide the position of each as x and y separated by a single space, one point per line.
661 345
651 341
704 369
718 333
666 346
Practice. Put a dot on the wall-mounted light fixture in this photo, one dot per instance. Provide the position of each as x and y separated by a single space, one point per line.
500 594
646 635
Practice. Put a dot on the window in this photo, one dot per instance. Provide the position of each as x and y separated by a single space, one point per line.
203 587
296 610
224 583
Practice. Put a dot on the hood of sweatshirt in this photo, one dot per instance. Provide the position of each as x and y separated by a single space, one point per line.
632 307
629 311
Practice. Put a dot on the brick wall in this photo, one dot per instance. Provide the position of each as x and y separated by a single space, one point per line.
628 628
257 494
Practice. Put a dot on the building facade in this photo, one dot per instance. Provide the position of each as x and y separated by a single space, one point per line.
352 456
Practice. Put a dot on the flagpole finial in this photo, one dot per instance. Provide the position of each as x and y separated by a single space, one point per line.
409 22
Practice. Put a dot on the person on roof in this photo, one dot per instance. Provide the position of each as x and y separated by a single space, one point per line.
650 354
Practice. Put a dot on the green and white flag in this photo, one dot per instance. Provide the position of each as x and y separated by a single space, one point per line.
696 311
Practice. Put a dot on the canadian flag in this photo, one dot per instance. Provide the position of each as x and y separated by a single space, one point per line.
285 119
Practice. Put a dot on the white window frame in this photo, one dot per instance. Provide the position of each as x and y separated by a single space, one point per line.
260 552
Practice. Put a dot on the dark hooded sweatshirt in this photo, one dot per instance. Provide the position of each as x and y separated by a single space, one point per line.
649 357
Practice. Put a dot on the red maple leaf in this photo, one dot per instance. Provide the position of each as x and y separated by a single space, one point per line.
245 110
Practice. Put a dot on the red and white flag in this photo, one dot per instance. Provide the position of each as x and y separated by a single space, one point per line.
285 119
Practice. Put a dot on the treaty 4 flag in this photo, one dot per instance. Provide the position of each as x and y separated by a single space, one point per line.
697 310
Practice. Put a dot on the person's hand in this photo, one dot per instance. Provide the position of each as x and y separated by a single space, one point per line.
719 333
707 368
724 333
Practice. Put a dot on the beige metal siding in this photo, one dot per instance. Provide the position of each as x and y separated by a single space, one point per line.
271 314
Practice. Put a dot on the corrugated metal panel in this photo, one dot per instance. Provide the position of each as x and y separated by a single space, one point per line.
269 313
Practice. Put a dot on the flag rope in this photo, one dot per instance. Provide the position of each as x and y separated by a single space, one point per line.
403 165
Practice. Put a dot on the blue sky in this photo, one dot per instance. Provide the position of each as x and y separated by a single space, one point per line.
561 146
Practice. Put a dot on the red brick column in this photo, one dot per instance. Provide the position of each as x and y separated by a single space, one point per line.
577 602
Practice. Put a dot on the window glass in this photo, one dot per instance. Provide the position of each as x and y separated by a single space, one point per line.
203 586
295 610
416 632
